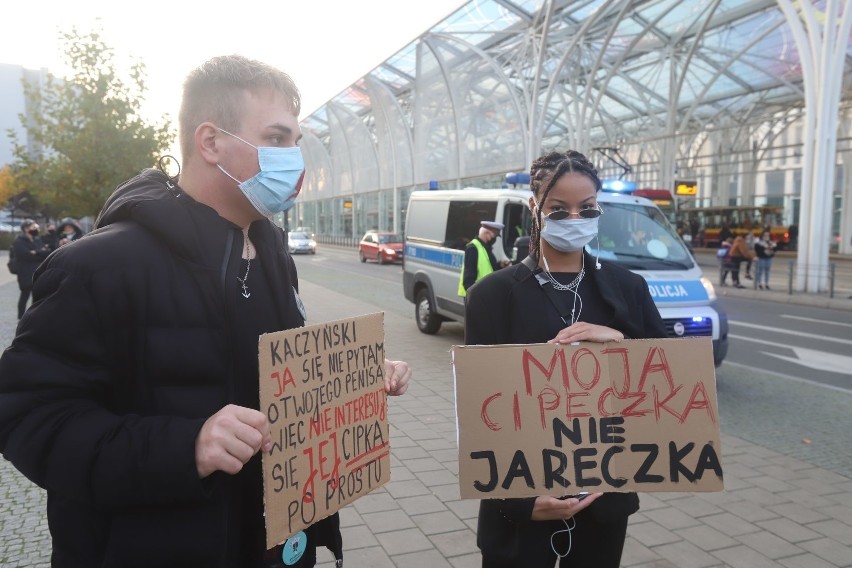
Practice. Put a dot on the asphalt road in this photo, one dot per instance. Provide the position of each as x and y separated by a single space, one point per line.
803 342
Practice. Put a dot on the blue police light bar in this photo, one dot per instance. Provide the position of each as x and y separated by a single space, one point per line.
518 178
433 184
618 185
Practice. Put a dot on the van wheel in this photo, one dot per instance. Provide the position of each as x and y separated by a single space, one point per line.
427 320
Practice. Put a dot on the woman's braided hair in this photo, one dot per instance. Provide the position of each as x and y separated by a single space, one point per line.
548 169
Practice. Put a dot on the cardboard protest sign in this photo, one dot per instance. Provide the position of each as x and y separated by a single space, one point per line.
322 388
545 419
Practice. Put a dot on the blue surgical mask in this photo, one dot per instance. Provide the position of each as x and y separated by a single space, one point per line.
275 187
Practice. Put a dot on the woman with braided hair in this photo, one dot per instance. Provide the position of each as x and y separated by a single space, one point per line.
559 294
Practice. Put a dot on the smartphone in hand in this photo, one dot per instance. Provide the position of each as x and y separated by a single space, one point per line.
579 496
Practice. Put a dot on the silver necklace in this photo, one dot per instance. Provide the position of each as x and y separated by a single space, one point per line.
572 287
242 280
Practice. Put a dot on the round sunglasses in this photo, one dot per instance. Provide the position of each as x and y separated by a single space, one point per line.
589 213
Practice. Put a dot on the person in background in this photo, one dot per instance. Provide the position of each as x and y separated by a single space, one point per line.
793 235
693 229
479 260
638 238
749 239
29 252
724 256
50 237
141 415
69 231
725 232
739 254
764 248
559 294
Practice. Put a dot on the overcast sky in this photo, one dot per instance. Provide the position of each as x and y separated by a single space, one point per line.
324 45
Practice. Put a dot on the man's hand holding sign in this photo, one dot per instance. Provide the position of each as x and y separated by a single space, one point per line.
323 390
554 419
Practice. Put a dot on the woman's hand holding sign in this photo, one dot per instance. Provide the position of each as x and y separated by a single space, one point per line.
549 508
582 331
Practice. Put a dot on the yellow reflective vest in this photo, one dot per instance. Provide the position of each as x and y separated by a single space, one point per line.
483 266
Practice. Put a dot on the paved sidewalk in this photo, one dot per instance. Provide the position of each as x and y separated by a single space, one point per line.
779 282
775 511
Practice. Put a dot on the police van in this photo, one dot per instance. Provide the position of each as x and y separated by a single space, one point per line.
632 232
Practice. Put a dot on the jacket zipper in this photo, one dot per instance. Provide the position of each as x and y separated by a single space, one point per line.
229 298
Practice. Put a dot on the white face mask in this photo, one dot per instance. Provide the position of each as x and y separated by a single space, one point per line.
569 235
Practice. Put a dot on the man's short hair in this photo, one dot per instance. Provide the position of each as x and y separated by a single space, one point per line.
26 223
214 92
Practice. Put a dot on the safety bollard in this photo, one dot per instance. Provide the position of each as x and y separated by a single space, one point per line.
831 271
790 279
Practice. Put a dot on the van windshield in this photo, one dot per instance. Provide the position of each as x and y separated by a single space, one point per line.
640 238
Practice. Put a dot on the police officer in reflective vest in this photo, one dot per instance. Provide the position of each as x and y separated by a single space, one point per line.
479 261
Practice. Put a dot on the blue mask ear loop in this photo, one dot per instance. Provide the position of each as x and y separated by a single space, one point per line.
568 528
241 140
237 137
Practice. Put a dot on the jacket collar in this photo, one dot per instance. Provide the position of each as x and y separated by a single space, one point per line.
192 230
608 287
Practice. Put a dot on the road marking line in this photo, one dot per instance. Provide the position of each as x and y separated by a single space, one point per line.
811 358
790 332
819 360
785 376
829 322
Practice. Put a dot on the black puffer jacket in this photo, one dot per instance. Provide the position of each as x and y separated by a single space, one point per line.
29 253
105 414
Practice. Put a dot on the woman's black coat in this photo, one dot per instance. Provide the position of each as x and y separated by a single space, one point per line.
507 307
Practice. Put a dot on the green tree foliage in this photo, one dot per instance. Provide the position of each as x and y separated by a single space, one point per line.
87 131
7 184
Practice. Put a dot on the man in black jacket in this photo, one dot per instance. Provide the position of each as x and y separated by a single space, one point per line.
141 418
29 251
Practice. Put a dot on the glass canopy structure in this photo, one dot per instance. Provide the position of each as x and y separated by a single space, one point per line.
652 91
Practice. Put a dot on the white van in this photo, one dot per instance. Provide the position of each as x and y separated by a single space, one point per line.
632 232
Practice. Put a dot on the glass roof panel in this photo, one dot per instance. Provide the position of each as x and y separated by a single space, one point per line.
746 59
405 60
477 20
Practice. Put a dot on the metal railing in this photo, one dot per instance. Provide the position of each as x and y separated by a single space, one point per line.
835 276
339 241
839 278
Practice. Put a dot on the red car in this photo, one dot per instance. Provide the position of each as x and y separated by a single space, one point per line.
381 247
